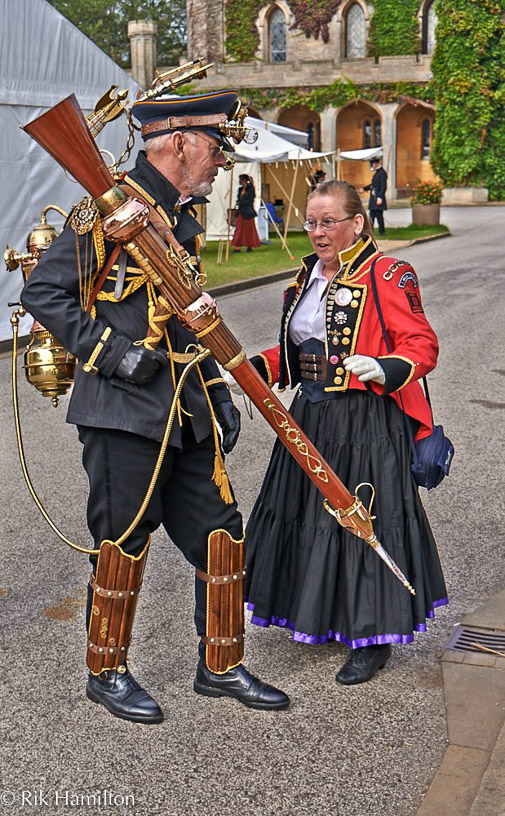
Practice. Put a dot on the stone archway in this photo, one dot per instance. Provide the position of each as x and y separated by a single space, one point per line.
414 133
359 125
303 118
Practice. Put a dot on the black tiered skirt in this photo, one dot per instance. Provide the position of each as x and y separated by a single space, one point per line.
304 571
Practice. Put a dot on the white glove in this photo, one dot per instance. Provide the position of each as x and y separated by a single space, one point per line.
365 368
232 383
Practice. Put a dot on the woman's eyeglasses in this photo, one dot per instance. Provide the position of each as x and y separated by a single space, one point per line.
327 223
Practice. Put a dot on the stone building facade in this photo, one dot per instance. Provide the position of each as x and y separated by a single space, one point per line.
286 58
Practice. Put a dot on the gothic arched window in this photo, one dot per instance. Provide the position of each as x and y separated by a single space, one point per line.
355 32
367 133
377 133
277 35
425 139
429 25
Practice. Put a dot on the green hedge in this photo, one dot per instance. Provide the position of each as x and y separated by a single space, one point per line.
394 28
469 79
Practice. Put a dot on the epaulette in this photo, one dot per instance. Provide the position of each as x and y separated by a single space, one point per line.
82 218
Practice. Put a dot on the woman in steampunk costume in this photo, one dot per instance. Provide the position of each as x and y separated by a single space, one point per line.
303 571
98 303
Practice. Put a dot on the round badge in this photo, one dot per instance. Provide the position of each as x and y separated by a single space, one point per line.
334 359
343 297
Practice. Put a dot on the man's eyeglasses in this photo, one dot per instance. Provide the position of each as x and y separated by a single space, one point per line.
216 151
327 223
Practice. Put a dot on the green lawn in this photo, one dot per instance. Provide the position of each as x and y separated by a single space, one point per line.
411 232
273 258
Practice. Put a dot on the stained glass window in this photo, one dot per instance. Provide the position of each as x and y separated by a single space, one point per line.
277 29
355 33
377 133
367 133
425 136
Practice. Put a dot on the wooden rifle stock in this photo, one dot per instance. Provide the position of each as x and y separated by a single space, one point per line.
63 132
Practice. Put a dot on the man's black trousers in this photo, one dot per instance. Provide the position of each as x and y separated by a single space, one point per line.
185 500
379 215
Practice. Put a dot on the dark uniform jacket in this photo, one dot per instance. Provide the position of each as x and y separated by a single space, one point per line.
52 296
245 202
353 327
378 189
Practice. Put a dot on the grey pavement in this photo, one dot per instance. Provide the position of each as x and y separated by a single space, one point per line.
372 750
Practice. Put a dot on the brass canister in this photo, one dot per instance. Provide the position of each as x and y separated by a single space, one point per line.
48 366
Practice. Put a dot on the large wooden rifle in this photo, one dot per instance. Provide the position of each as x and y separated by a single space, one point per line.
63 132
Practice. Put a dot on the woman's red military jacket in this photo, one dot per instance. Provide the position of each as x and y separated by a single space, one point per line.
353 327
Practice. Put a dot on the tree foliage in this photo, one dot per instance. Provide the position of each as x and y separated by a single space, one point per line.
469 76
106 23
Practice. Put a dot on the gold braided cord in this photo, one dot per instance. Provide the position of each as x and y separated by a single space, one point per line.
200 354
134 282
99 244
220 476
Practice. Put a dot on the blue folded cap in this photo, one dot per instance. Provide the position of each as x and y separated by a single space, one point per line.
172 112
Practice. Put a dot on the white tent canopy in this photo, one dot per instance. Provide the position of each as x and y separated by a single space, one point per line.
43 59
365 154
268 149
298 137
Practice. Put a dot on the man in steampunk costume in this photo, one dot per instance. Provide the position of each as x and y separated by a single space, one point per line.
98 303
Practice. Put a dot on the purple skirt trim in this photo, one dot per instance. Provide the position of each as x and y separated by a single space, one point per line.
319 640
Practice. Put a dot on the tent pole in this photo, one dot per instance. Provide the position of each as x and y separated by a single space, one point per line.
339 169
229 215
290 206
276 228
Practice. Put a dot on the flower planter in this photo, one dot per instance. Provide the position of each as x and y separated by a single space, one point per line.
426 215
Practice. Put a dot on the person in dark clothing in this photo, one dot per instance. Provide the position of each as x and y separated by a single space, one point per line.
377 202
245 228
121 400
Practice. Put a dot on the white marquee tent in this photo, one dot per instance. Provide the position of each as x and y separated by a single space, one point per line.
43 59
272 147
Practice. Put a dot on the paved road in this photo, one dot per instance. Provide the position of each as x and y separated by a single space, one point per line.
337 752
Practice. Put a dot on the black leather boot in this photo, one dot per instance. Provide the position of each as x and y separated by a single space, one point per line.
241 685
362 664
123 697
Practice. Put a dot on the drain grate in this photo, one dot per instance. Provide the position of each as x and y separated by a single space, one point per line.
463 636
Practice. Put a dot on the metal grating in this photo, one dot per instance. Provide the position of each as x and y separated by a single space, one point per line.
464 636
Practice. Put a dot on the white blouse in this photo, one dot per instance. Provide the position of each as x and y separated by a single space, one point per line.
309 315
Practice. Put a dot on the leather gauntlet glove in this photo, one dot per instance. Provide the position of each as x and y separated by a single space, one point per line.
140 364
229 421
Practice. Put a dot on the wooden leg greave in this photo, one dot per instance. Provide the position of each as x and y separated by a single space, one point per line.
224 640
116 586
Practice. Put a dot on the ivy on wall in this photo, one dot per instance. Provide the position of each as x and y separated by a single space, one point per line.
313 16
337 93
469 80
242 37
394 28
